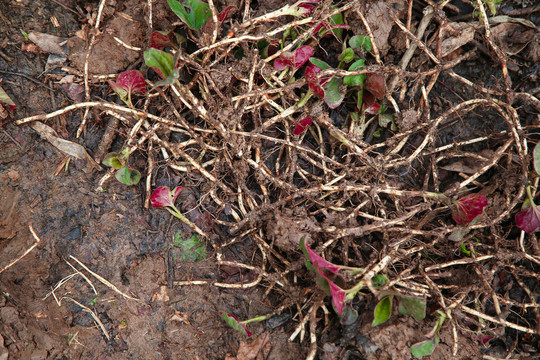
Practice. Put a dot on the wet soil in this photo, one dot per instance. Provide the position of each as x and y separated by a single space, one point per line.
51 307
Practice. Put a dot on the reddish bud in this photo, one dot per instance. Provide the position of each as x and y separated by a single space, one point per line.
468 208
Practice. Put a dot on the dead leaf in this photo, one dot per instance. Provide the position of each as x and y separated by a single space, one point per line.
65 146
455 35
49 43
512 38
259 348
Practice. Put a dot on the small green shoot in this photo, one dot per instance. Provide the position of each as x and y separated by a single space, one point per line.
93 301
125 174
426 347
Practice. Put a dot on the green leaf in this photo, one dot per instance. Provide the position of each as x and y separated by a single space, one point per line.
308 263
93 301
347 55
319 63
337 19
413 306
112 160
425 348
379 281
160 61
194 13
383 310
123 154
193 250
361 41
536 158
332 93
355 80
128 176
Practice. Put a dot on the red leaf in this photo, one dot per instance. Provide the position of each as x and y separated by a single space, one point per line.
373 109
313 80
320 263
295 59
160 41
468 207
375 84
132 81
302 125
528 220
163 196
338 294
224 15
484 338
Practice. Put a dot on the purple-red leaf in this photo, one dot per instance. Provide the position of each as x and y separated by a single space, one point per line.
373 109
338 294
528 219
321 263
468 207
295 59
302 125
159 40
224 15
375 84
132 81
236 324
484 339
163 196
313 80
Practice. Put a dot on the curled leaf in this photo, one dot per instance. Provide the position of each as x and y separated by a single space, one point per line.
233 322
161 61
163 196
294 59
302 125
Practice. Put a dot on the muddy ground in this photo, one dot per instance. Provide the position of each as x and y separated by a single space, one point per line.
52 303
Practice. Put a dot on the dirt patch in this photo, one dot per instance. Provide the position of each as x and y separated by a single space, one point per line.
446 108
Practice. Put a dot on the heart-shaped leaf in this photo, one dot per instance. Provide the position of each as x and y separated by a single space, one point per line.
132 81
347 55
128 176
536 158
